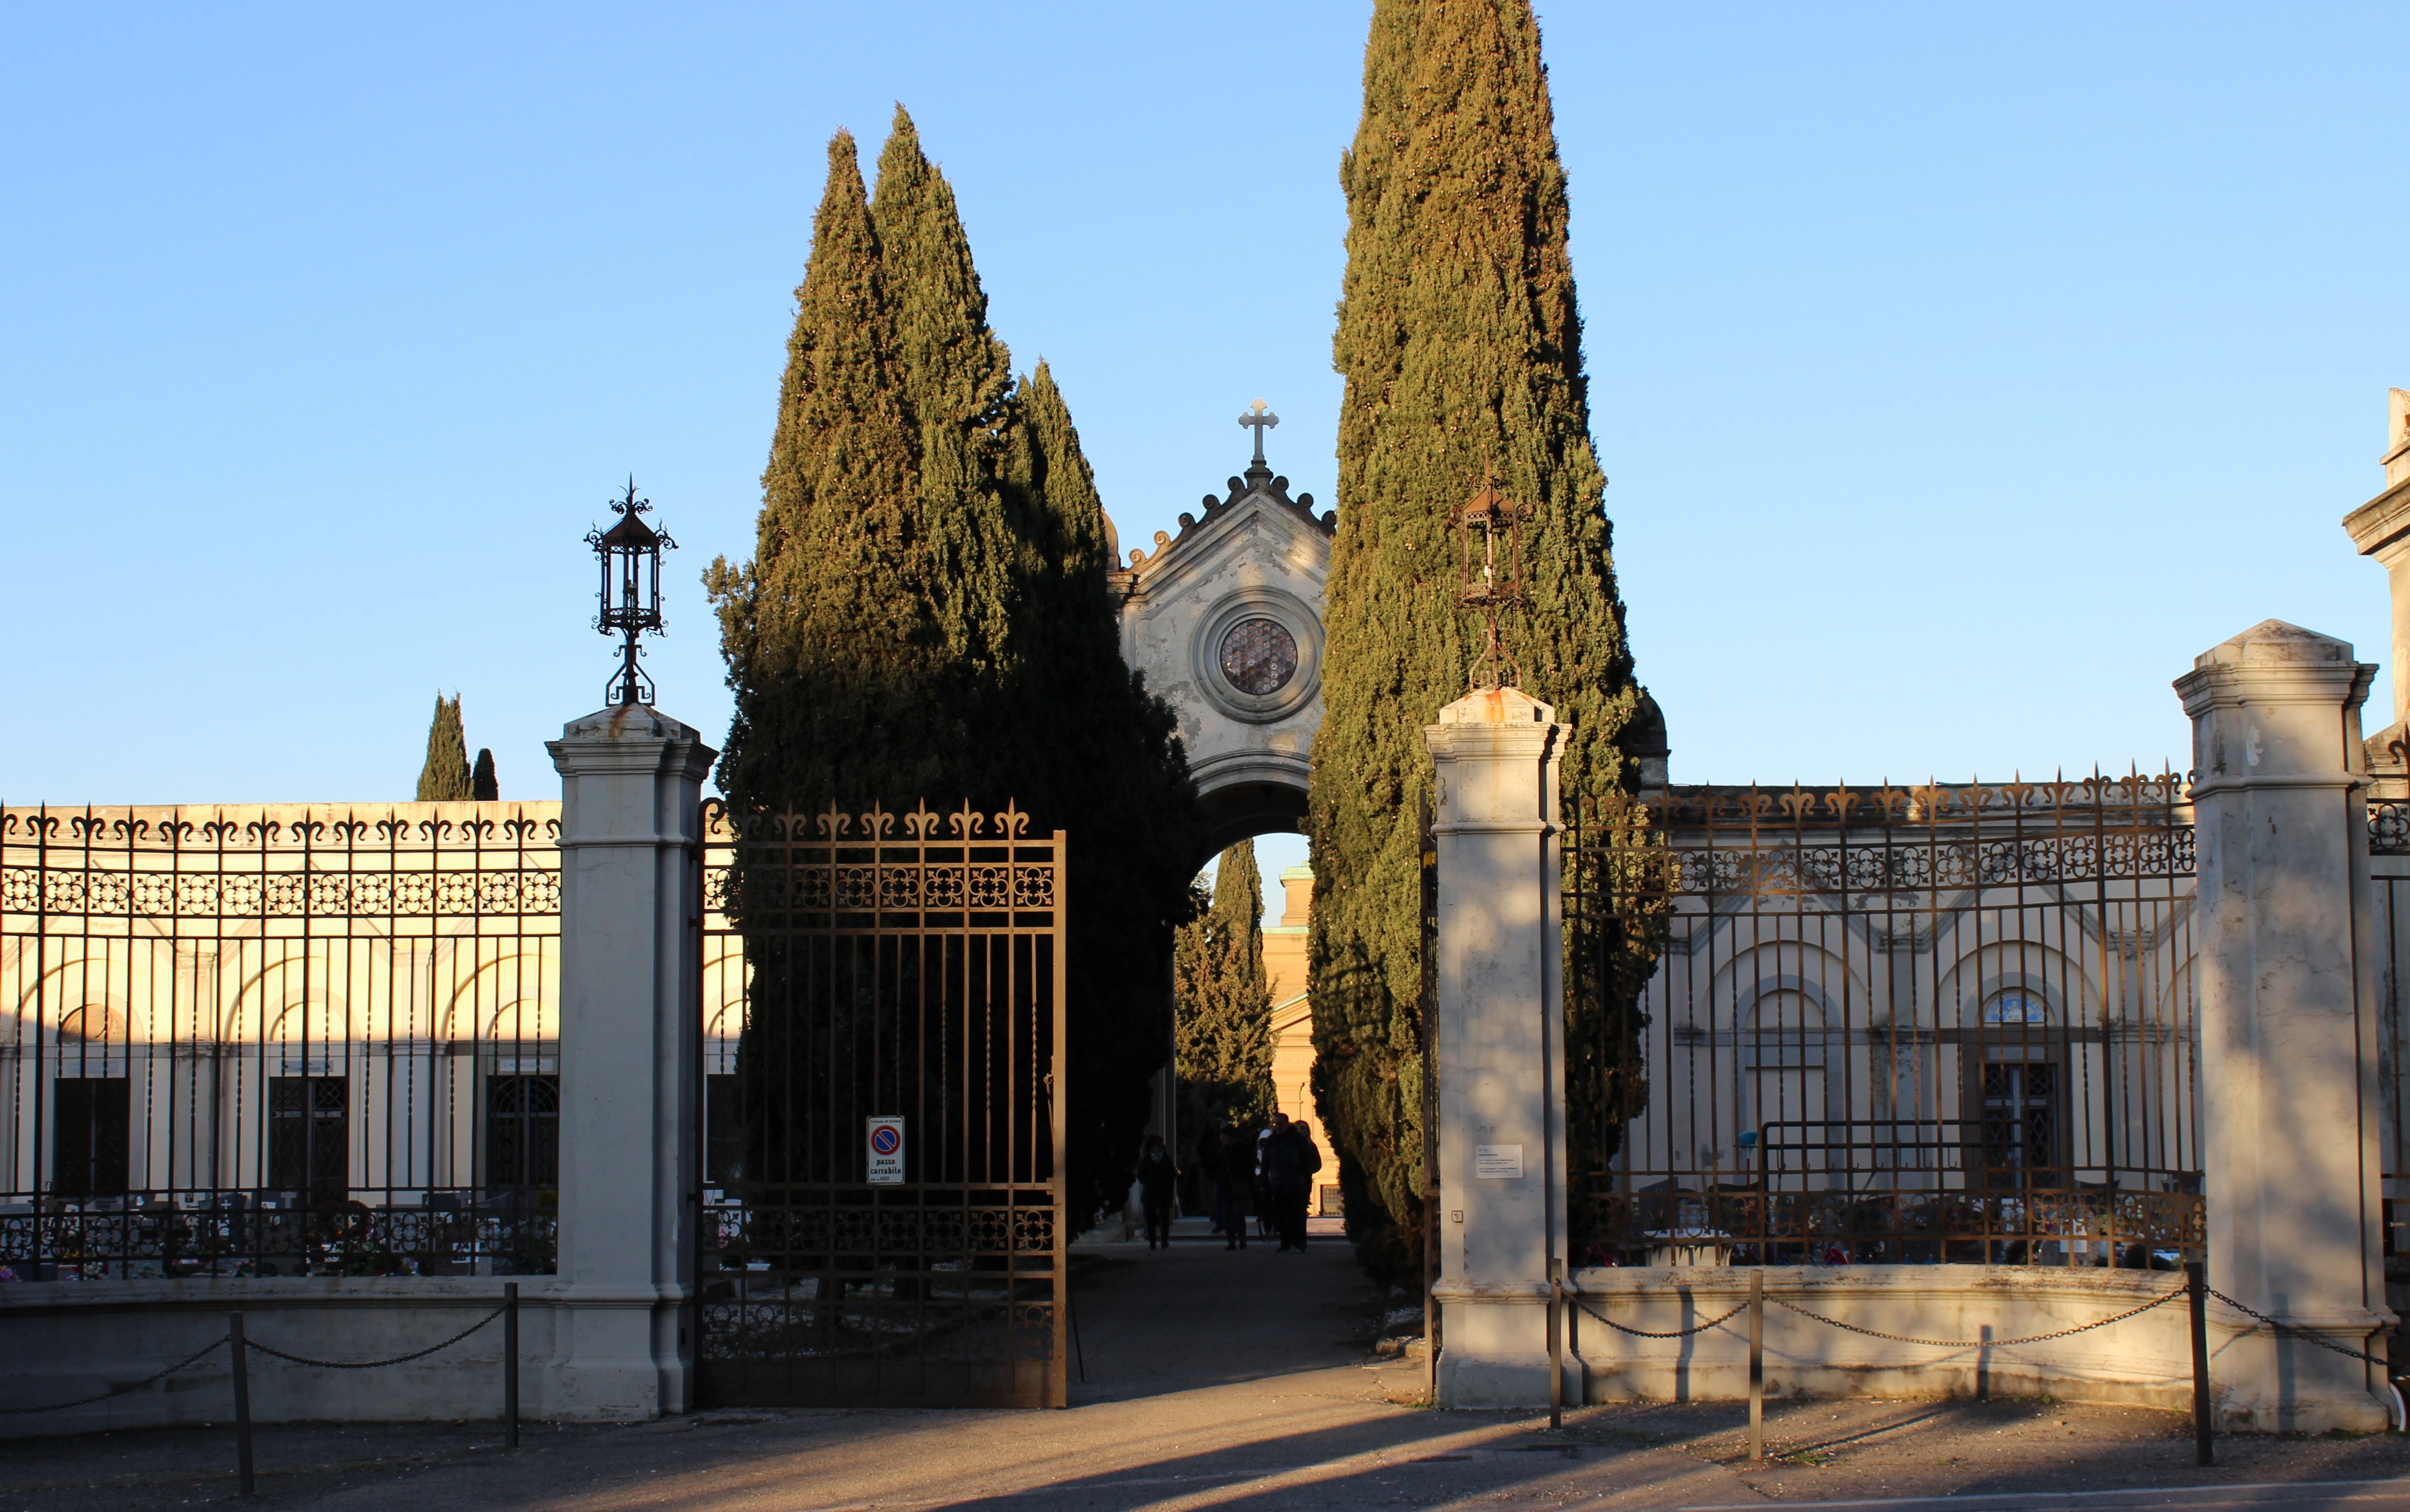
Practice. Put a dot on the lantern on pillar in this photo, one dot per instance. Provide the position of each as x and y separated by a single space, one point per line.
1489 542
629 555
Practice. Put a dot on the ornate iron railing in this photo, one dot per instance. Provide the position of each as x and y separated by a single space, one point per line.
285 1040
1922 1024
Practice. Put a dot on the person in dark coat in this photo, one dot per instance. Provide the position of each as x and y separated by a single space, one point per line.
1156 1176
1238 1181
1290 1161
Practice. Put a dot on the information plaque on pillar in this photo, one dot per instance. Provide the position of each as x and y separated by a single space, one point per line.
886 1147
1498 1162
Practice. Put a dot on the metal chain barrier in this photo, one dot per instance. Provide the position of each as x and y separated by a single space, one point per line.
2159 1301
131 1386
374 1365
1677 1333
2297 1332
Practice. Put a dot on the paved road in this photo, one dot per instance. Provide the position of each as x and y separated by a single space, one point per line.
1237 1381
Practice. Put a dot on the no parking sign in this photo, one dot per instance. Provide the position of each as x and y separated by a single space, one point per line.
886 1152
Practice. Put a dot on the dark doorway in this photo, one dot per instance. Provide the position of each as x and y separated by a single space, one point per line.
90 1135
522 1131
308 1137
2019 1107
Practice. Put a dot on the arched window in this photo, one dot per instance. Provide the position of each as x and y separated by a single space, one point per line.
2016 1008
94 1024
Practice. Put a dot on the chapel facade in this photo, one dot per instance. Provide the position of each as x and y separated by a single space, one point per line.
1226 621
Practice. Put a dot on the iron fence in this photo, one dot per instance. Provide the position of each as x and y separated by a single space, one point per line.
280 1039
883 1021
2388 847
1933 1023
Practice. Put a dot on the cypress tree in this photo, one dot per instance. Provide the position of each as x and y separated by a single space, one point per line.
843 679
1460 346
926 616
956 376
444 778
1225 1001
483 785
1106 761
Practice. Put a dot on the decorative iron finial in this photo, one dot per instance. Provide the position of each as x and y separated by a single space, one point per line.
1489 582
630 554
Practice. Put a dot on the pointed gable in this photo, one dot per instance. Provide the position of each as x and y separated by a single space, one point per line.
1226 621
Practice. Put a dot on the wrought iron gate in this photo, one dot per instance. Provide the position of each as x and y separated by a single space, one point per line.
883 1021
1944 1023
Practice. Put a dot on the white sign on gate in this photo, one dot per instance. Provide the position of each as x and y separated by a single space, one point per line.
1498 1162
886 1146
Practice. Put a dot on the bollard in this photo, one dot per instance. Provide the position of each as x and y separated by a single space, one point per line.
1757 1364
241 1399
2197 1286
1556 1344
509 1364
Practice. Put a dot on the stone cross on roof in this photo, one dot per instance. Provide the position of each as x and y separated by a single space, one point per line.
1261 418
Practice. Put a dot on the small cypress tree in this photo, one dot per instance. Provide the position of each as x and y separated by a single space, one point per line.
1461 345
483 785
1225 1039
444 778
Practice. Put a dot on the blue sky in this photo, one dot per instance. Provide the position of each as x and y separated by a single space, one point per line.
1961 371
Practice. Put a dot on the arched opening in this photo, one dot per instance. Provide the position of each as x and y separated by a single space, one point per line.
1250 811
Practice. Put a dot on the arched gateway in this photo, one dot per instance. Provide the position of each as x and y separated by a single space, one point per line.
1226 621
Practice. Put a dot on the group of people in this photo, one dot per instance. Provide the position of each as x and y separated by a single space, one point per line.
1269 1172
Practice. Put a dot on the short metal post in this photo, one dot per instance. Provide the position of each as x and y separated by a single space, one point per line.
241 1399
2197 1286
509 1364
1757 1364
1556 1343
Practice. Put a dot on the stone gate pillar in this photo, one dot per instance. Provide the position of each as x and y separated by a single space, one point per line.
1501 1042
2288 1023
631 1046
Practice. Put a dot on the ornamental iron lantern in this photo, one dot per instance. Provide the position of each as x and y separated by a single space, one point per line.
629 555
1489 543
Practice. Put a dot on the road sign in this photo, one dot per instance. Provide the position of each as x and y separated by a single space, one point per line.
886 1152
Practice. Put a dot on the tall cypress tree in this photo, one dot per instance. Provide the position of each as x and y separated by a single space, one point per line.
483 785
926 616
1108 768
957 377
843 677
1461 345
445 777
1225 1001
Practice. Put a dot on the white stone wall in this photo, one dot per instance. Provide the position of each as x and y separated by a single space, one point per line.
2144 1361
64 1340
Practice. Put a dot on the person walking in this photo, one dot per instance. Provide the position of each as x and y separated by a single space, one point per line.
1309 1161
1237 1180
1156 1175
1288 1178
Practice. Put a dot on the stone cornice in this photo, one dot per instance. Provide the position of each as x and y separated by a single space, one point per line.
2383 521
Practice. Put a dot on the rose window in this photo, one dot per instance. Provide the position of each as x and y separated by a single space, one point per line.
1258 656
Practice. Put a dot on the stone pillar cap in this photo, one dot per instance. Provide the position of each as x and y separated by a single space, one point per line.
2272 644
1498 706
622 721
